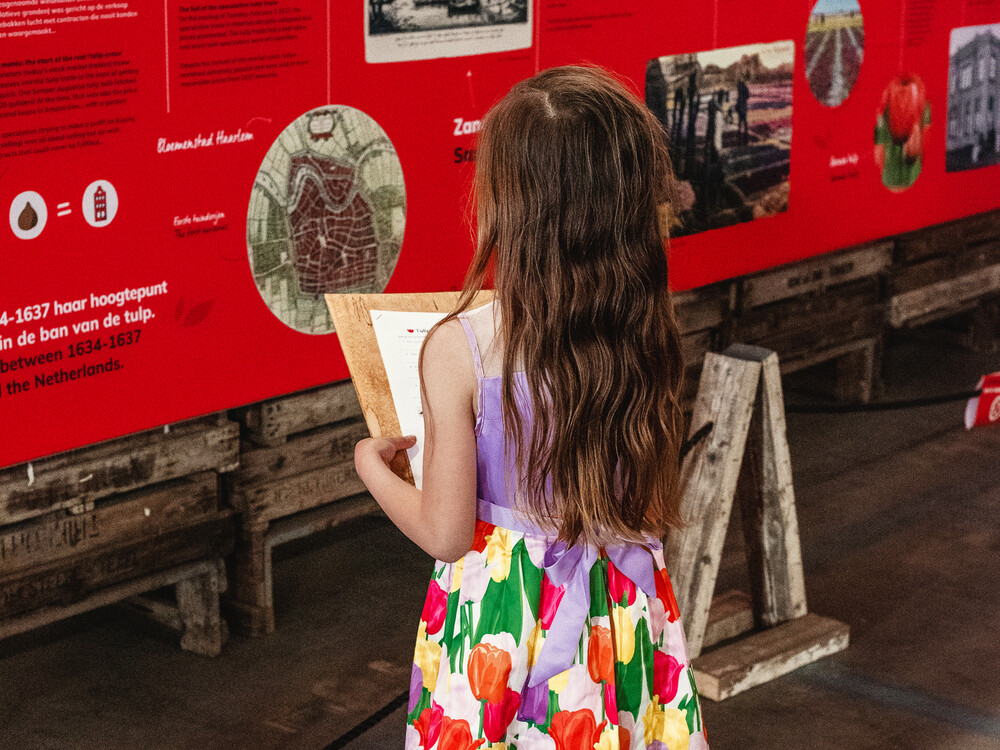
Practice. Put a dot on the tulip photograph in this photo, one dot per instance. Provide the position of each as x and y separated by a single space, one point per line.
835 48
901 122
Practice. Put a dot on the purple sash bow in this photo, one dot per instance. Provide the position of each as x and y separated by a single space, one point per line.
571 566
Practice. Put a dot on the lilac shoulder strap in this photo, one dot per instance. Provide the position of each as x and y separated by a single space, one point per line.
473 344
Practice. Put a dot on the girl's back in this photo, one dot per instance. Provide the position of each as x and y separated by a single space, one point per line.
528 642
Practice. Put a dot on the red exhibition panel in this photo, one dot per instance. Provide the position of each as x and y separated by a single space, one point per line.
184 180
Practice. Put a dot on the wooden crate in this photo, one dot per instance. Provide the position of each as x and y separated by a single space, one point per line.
271 422
305 484
818 310
945 270
701 315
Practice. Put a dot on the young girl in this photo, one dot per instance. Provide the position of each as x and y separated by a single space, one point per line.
551 454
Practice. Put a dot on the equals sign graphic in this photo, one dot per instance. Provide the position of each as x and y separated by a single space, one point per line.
63 209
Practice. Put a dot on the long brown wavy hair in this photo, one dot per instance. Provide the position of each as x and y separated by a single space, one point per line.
571 171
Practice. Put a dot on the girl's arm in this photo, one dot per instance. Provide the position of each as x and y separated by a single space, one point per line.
441 517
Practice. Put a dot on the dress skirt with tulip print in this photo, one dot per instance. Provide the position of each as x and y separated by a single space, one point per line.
527 645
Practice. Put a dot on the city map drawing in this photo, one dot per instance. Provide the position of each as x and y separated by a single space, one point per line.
327 214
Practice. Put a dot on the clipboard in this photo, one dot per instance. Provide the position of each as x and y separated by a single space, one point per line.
352 321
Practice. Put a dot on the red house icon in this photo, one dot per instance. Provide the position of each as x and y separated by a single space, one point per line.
100 204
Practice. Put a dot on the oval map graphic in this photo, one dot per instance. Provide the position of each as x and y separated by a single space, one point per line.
327 214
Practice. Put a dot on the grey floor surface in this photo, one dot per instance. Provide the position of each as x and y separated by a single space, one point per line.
899 519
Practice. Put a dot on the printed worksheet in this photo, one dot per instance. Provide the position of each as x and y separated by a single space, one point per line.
400 336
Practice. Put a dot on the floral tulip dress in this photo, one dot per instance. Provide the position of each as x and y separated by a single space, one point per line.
524 644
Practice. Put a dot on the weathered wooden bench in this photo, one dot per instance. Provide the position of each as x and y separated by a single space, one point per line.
109 522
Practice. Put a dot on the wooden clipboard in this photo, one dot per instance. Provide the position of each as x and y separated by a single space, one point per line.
352 321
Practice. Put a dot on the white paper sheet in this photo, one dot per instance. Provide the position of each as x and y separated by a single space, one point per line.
400 336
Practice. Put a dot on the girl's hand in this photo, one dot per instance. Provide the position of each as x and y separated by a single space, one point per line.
383 449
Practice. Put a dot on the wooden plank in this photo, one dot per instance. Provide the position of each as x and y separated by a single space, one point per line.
110 595
321 519
118 520
271 422
282 497
977 256
698 309
806 314
943 298
731 615
767 655
165 612
942 239
71 580
857 372
708 479
981 227
250 602
309 450
815 274
694 346
767 505
903 278
85 475
841 327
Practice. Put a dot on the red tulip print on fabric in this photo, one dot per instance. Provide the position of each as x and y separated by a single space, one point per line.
550 598
456 735
666 675
665 593
435 607
573 730
483 530
498 716
620 585
428 724
601 655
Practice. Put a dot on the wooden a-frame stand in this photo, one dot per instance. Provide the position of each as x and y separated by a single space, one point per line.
740 392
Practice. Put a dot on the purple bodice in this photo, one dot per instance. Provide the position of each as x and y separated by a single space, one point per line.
565 567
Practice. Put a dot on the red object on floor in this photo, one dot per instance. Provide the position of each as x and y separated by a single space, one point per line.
984 410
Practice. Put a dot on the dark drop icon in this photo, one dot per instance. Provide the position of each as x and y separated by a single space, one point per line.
28 219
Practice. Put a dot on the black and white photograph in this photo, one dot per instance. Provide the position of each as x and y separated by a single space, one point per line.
973 98
403 30
728 116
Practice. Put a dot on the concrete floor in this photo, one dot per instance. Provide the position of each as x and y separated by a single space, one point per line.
898 515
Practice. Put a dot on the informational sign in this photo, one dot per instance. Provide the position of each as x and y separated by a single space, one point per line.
183 181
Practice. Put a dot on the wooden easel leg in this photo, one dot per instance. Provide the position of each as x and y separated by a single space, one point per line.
708 478
204 632
767 506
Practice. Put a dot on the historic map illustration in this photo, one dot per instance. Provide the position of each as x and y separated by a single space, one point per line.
326 214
